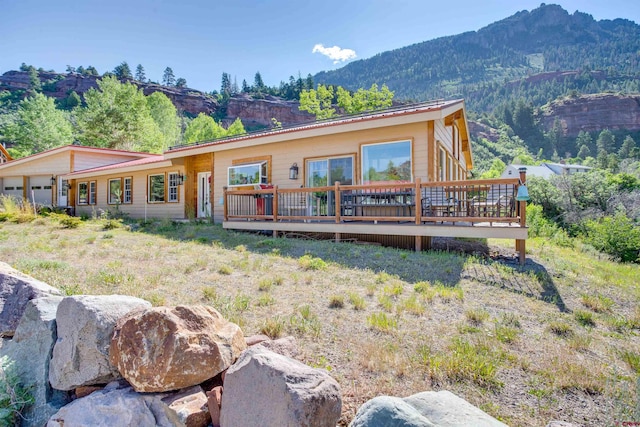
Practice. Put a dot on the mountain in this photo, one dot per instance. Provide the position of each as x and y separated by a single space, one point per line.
546 39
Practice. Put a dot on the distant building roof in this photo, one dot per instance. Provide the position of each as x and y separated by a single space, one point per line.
545 170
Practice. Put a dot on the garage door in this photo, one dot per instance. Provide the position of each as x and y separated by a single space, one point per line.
12 187
40 190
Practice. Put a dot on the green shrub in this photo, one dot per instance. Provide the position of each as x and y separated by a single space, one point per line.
13 396
615 235
308 262
540 226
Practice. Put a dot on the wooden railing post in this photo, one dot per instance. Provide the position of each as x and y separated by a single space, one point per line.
418 201
522 208
337 200
225 203
275 203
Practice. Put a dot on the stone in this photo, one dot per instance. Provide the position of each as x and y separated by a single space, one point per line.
256 339
169 348
30 350
266 388
16 289
189 406
86 390
429 408
556 423
85 325
214 402
286 346
115 405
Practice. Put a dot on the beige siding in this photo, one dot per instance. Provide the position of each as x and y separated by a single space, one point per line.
54 164
84 160
139 208
284 154
443 135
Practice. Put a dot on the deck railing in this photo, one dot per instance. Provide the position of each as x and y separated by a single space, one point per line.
469 201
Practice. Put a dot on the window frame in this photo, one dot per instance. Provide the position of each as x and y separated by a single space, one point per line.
112 200
173 183
79 186
327 160
263 177
127 194
164 187
363 158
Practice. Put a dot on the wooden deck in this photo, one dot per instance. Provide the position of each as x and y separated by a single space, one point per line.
472 209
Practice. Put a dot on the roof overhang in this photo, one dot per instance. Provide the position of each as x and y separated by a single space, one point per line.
120 168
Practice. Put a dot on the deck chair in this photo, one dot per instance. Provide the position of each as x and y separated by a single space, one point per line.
437 202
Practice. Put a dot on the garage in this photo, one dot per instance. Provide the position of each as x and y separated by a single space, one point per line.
40 190
12 186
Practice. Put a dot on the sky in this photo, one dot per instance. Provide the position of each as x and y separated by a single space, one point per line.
201 39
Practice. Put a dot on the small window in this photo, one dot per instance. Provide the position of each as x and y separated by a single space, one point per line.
92 193
173 186
19 187
47 187
386 162
127 194
83 193
36 187
115 191
250 174
156 188
9 188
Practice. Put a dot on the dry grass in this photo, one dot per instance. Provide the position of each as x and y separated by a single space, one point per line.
557 339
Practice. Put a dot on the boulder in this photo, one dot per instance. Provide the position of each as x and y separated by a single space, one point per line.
30 349
266 388
256 339
16 289
85 326
168 348
119 405
429 408
286 346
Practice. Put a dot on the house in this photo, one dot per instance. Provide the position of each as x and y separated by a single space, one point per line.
545 170
396 176
39 178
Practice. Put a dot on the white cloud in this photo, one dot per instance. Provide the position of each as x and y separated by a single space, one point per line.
337 54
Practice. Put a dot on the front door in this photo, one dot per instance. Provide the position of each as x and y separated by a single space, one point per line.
63 189
204 191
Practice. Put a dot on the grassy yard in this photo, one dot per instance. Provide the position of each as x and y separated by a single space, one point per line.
557 339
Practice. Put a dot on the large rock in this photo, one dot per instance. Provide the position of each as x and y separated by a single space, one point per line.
286 346
265 388
85 326
429 408
119 405
16 289
168 348
30 349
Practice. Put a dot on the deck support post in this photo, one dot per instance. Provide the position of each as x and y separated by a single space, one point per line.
418 243
521 248
427 244
275 203
337 200
225 205
275 234
337 237
522 210
418 202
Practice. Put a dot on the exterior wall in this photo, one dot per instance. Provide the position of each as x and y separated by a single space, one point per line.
284 154
54 164
82 160
139 208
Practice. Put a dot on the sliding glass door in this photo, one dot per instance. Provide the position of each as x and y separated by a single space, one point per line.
326 172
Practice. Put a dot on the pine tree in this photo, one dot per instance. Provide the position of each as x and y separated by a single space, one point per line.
168 78
123 71
140 75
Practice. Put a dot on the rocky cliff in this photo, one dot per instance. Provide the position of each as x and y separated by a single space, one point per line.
252 112
593 113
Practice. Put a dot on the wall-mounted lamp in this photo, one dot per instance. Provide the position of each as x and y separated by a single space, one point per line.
181 179
53 180
293 171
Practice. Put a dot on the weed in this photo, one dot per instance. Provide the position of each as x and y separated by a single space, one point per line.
371 289
383 277
209 294
336 301
265 300
411 305
510 319
382 322
241 248
241 302
14 397
597 303
448 293
156 300
476 316
505 334
560 328
69 290
265 285
273 327
632 358
394 289
585 318
225 270
357 301
308 262
580 342
305 321
386 302
322 363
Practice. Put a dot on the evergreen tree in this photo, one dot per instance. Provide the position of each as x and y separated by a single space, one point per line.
181 82
34 81
225 86
80 70
91 71
140 74
70 69
168 78
258 84
245 86
627 147
122 71
605 142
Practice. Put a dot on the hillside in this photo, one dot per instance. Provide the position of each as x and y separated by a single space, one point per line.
544 40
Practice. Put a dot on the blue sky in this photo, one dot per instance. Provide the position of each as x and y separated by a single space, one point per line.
201 39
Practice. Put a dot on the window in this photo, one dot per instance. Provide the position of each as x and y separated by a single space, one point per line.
156 188
36 187
83 193
441 165
126 193
92 193
47 187
115 191
323 172
9 188
174 178
450 168
389 161
20 187
249 174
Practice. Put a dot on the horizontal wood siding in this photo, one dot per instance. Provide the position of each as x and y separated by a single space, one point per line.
284 154
82 160
54 164
443 135
139 197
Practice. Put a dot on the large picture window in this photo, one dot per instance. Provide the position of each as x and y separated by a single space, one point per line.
386 162
83 193
249 174
115 191
156 188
